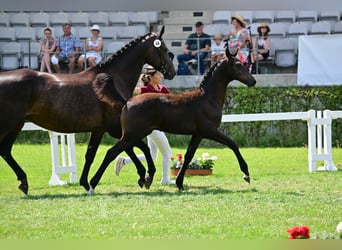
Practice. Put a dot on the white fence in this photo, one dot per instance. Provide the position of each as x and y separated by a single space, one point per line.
316 123
319 140
62 162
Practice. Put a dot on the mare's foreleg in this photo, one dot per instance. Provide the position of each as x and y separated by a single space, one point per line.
221 138
151 167
111 154
190 152
93 145
5 152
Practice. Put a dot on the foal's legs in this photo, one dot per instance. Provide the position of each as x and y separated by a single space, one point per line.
193 145
221 138
147 182
93 145
5 152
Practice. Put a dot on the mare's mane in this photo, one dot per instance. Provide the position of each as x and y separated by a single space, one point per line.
210 72
132 44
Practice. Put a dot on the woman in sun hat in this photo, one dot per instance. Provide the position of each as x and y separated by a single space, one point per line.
261 43
93 47
238 38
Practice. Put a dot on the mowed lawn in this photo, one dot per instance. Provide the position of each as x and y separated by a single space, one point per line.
282 194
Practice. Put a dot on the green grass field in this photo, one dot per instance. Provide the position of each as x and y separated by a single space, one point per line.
282 194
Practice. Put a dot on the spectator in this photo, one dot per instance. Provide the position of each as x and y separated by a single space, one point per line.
157 139
217 49
93 48
47 47
238 39
261 44
191 50
68 45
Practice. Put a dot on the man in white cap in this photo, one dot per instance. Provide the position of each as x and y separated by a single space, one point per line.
93 48
67 47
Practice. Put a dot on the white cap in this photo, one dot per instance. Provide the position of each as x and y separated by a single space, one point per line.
95 27
54 59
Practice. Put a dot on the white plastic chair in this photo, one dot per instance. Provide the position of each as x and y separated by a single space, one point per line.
278 30
131 32
263 17
320 28
99 18
139 18
285 16
112 47
30 52
58 19
286 52
337 28
80 19
118 19
40 19
4 19
221 17
307 16
20 19
11 56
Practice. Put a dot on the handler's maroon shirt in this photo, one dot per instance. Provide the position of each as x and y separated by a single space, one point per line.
149 88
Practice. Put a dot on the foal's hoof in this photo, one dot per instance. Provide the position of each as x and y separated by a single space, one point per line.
247 178
148 182
23 187
91 190
180 186
141 183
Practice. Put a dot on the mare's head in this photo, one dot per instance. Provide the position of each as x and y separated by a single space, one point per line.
158 56
237 71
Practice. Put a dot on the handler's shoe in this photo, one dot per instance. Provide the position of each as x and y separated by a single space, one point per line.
120 163
167 182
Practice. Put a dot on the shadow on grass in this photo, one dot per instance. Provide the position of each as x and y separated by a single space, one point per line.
194 190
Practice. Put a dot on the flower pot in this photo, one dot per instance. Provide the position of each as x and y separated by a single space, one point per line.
174 171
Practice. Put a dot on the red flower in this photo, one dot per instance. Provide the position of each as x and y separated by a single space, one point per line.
179 156
299 232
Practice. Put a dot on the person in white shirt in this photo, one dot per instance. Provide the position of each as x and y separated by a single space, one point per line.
217 49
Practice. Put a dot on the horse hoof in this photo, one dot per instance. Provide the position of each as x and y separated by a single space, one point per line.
24 188
141 183
85 185
247 178
91 190
148 182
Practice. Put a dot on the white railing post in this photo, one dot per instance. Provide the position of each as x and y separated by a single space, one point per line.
57 167
311 140
328 161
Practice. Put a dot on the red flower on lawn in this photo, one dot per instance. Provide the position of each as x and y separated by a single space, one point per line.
179 157
299 232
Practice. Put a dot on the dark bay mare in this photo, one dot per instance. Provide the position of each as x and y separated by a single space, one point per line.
197 113
76 103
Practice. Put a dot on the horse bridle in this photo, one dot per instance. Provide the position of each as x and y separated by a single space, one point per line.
162 60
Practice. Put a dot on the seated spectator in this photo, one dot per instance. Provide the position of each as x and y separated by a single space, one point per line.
192 51
47 47
68 46
93 47
261 43
238 39
217 49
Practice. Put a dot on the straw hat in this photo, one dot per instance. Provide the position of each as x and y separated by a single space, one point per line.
95 27
264 25
240 20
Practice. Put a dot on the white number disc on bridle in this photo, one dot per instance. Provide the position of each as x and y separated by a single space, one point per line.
157 43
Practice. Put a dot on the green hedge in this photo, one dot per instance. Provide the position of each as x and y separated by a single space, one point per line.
255 100
241 100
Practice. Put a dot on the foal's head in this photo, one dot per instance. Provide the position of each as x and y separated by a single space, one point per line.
158 56
238 71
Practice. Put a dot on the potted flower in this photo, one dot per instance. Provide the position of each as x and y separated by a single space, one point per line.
198 166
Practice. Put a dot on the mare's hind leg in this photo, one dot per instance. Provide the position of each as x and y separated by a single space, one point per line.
193 145
151 167
93 145
221 138
140 168
5 152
